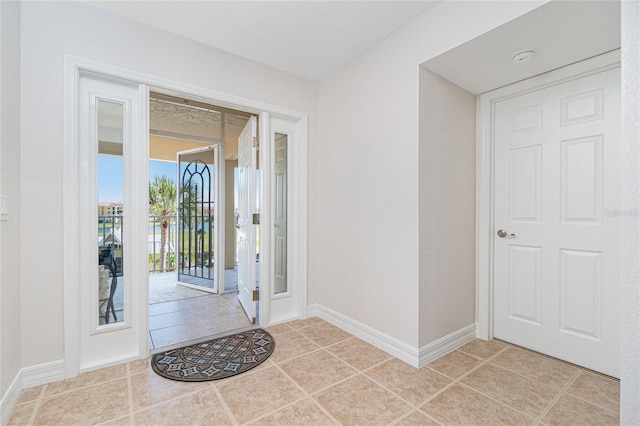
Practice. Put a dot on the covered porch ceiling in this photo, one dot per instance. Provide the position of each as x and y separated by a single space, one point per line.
177 124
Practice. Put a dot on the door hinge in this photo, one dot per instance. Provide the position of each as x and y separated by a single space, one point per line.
256 295
256 142
256 218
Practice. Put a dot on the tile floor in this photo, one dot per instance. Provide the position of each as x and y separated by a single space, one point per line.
179 314
321 375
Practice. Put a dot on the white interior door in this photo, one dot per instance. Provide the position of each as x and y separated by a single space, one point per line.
556 247
247 165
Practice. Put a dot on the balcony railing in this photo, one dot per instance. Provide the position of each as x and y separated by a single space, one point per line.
156 226
110 234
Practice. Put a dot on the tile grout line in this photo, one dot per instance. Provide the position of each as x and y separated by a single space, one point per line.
422 403
567 393
578 368
538 419
147 407
459 382
413 406
454 381
340 359
415 410
225 407
497 401
521 375
555 399
36 407
132 420
306 395
481 392
312 395
377 364
83 387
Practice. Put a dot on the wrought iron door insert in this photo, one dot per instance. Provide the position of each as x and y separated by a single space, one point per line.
196 207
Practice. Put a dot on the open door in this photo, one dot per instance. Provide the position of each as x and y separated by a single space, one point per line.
196 215
247 207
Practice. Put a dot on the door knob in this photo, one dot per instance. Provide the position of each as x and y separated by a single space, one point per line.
504 234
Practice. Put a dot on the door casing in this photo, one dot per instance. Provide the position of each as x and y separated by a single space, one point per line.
299 120
485 166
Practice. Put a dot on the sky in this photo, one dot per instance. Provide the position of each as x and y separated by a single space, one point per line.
110 176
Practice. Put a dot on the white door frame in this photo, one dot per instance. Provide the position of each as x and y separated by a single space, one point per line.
485 196
73 67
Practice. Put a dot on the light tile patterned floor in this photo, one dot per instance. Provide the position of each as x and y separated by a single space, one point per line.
320 375
179 314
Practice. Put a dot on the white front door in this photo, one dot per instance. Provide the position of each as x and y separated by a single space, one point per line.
247 162
556 248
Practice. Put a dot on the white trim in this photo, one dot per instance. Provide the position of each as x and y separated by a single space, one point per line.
484 171
70 237
391 345
172 87
139 272
264 276
220 211
112 361
300 213
41 374
10 398
416 357
446 344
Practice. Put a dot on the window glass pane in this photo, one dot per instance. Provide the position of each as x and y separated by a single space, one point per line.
281 214
110 212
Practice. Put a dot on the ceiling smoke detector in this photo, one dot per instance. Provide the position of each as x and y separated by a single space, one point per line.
523 55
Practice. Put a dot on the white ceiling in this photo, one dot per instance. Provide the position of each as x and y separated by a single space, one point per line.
308 38
560 32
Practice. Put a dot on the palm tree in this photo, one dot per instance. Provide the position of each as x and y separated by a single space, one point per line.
162 202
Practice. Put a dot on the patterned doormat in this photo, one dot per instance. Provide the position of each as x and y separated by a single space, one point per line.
215 359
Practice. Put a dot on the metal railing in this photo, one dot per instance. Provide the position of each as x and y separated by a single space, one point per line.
156 226
110 234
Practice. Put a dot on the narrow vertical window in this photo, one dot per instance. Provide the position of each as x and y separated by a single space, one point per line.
110 211
280 214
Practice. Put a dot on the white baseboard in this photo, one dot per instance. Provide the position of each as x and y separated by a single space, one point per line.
10 399
42 374
412 355
446 344
29 377
110 362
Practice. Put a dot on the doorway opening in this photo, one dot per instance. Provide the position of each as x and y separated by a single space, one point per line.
92 342
193 216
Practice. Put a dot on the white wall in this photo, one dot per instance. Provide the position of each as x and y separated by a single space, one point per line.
49 31
10 186
630 278
447 207
364 171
